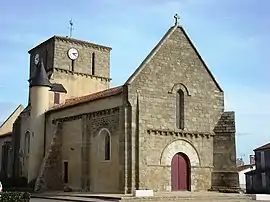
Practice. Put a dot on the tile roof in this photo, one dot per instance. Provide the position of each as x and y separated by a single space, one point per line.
266 146
87 98
5 134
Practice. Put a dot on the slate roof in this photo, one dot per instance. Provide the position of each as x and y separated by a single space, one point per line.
266 146
41 78
5 135
87 98
57 87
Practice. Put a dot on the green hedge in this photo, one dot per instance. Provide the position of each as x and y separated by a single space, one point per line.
15 197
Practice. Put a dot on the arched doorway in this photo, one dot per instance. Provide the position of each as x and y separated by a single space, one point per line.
180 172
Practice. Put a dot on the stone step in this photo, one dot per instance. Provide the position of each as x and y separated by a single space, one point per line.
151 199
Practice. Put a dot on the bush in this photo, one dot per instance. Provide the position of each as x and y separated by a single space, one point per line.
15 197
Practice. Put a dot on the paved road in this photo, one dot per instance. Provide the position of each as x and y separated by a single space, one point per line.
43 200
62 200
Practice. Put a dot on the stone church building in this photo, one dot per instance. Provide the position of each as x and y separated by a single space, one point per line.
164 129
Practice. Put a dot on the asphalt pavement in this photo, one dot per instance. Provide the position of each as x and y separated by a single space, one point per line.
44 200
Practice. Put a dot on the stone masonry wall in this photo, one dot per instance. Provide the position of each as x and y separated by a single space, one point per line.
225 175
76 84
159 140
85 155
24 130
152 94
15 145
72 151
83 63
100 170
80 126
80 80
46 53
50 176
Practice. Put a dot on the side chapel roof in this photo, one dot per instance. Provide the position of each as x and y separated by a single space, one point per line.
87 98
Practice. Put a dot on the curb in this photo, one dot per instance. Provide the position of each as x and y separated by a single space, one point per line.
77 198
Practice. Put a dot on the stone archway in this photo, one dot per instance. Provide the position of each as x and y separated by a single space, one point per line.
180 156
179 146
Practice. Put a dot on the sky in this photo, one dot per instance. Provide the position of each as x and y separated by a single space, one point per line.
233 37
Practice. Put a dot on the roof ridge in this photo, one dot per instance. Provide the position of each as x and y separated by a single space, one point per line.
2 124
82 41
87 98
93 93
151 54
71 40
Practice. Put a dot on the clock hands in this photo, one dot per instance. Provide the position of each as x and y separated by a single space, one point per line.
73 53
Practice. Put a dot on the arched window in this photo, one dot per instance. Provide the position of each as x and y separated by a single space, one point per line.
180 109
104 139
27 143
107 147
93 63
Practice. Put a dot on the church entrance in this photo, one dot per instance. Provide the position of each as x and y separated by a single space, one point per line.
180 172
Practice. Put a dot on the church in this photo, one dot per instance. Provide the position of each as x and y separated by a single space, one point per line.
164 129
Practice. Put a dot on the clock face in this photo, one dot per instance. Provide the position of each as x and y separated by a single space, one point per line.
36 59
73 53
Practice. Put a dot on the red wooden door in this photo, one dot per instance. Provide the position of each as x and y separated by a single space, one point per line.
180 173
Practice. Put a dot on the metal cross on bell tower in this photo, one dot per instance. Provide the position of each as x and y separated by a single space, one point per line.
176 18
71 28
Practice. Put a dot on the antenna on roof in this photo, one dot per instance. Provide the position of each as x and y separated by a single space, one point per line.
71 28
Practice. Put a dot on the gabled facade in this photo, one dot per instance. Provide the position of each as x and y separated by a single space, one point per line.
243 169
164 129
6 126
5 141
258 181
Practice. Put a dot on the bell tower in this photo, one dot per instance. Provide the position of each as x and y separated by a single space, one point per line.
74 67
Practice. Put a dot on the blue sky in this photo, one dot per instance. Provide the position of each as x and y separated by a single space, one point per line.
232 36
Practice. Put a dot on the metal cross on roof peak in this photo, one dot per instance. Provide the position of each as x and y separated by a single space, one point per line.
177 18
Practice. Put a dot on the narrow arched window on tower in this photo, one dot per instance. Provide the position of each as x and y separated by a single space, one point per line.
27 143
93 63
180 109
107 147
